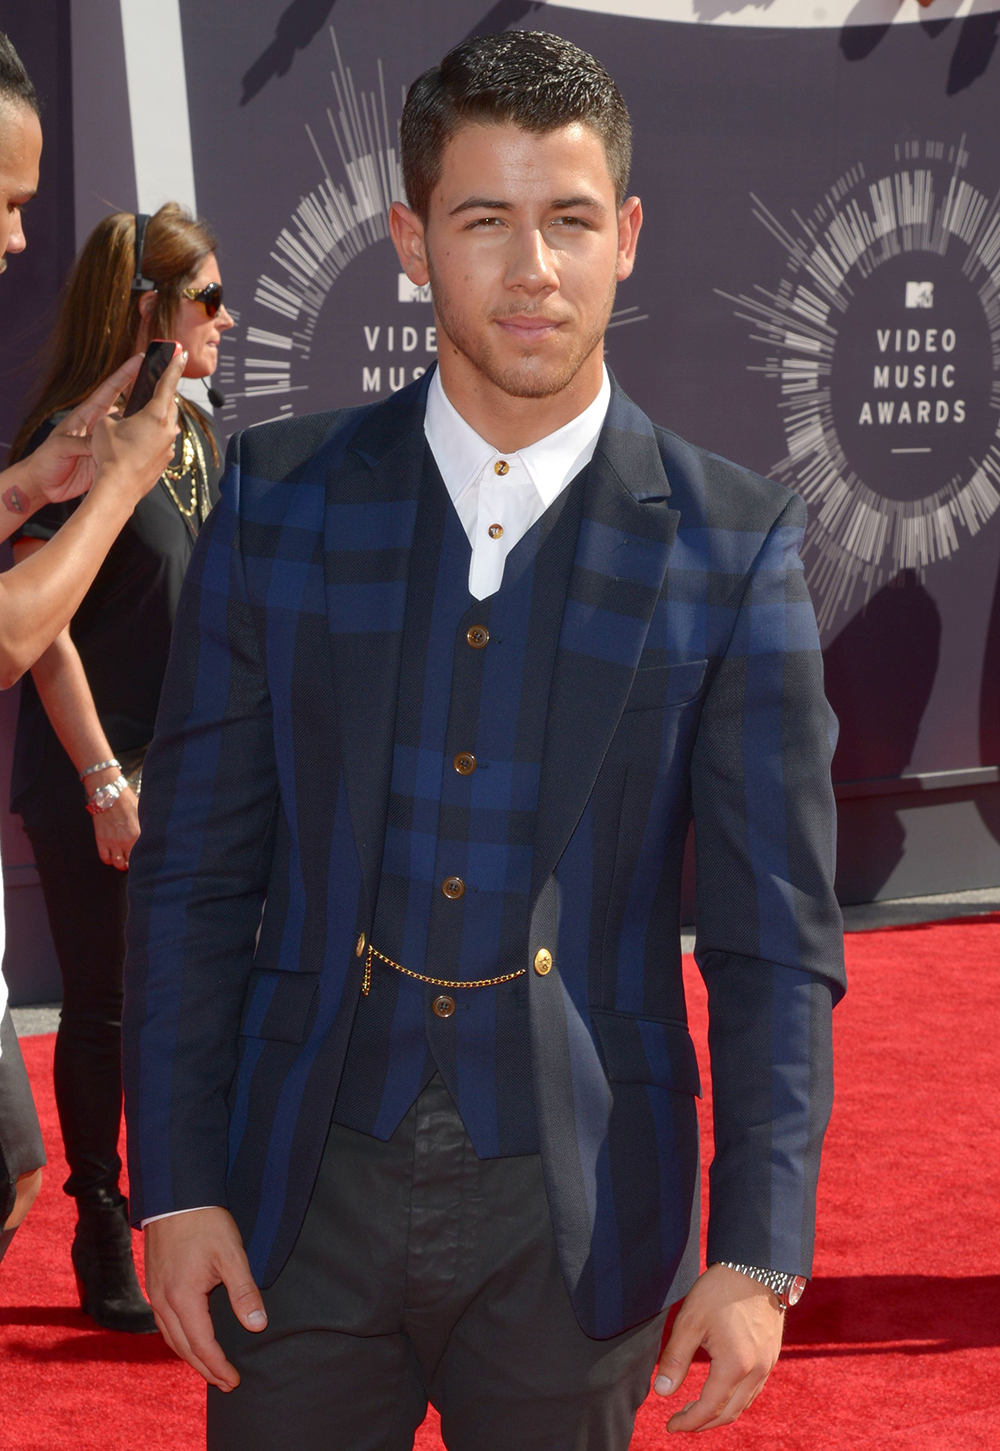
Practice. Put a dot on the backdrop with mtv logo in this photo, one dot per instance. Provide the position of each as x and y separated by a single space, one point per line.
817 292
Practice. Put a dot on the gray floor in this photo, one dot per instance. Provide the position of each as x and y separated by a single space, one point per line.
907 910
43 1019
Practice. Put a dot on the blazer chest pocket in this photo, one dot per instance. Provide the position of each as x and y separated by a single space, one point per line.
279 1005
647 1050
666 685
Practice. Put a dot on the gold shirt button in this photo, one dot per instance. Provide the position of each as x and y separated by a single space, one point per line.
453 888
444 1006
501 467
465 763
543 961
360 945
495 531
478 637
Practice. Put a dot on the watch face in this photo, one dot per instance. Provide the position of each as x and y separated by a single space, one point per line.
795 1289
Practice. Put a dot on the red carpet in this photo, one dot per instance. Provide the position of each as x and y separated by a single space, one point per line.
896 1346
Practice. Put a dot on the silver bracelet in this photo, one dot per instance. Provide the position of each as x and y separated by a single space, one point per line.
101 766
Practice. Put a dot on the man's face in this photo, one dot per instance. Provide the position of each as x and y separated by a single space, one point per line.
20 153
523 246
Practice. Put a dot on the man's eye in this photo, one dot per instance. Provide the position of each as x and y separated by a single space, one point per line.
486 222
570 222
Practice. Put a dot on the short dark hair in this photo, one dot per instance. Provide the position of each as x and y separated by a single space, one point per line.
535 80
15 83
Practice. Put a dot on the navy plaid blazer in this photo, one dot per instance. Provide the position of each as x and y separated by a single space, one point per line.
687 684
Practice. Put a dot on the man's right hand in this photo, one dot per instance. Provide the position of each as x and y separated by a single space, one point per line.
187 1255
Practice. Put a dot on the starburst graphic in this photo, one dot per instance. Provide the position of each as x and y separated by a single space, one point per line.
331 226
862 251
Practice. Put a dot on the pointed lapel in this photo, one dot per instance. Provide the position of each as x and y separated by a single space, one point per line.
373 483
625 538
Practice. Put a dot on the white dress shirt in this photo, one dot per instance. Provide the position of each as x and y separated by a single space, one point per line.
511 498
499 496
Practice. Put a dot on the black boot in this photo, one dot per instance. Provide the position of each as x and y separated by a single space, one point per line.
105 1271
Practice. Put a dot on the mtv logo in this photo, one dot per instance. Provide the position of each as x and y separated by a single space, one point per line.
409 292
920 294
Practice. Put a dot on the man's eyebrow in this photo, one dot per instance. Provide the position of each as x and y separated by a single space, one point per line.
563 204
481 203
560 204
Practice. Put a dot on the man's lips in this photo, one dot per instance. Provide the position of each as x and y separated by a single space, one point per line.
528 327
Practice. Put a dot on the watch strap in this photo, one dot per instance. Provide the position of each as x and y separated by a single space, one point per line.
781 1284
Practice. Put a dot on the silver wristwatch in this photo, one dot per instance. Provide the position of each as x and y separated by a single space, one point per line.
787 1289
105 796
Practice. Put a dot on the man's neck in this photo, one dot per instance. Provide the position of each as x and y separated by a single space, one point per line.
508 423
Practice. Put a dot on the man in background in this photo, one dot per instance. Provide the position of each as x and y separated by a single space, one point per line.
118 463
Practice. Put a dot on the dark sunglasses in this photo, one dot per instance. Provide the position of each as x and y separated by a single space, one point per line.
210 297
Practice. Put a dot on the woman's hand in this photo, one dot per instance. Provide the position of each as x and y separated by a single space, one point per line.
66 464
62 467
117 830
131 453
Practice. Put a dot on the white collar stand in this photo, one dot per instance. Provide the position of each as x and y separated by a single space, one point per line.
462 454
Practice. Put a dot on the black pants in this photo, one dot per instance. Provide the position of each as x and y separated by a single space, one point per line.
423 1273
85 901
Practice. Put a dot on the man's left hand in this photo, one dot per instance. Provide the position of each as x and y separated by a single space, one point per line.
739 1323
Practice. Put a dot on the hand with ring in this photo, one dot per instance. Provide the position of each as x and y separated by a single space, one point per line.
117 830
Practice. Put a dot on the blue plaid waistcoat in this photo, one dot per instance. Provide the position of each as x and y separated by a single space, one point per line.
470 731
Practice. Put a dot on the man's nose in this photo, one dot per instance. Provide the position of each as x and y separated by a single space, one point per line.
15 241
532 268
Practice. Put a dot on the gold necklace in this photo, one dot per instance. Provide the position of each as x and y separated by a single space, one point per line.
192 462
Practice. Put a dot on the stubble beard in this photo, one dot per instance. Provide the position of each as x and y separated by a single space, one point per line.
524 379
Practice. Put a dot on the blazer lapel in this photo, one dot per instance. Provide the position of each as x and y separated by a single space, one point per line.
372 488
625 538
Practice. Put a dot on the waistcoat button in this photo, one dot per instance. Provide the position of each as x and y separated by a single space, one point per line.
465 763
478 637
501 467
360 945
453 888
444 1006
495 531
543 961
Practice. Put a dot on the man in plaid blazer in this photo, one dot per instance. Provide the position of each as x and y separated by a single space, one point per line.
406 1043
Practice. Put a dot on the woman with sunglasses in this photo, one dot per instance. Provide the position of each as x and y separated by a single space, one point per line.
87 710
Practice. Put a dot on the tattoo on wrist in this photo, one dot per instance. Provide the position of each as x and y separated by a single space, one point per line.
14 501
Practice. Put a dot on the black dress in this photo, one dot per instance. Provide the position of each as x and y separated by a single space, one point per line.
122 632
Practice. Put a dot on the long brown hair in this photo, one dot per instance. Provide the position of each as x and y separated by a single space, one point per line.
99 320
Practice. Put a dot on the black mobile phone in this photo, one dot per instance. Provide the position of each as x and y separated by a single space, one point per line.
159 356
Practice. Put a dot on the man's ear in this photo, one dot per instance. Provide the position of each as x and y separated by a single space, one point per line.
408 238
629 224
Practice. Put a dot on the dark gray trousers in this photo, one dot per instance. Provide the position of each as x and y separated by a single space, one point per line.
424 1273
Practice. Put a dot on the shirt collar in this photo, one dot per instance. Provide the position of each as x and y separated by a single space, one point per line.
462 455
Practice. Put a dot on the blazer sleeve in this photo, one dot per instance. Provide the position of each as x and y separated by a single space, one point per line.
769 930
197 879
